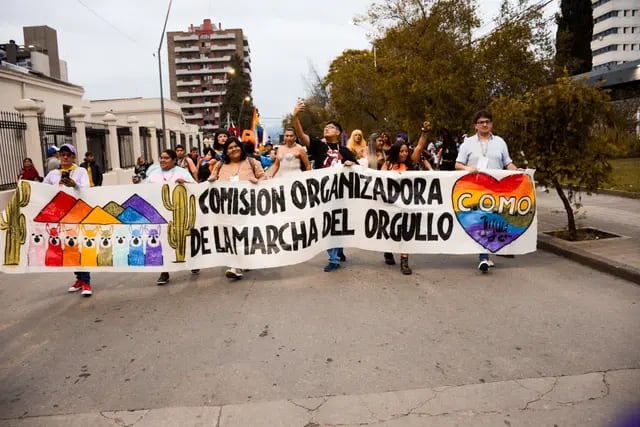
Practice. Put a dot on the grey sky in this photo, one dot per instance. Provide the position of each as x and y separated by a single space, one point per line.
111 55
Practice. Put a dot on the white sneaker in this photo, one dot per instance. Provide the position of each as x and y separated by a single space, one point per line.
491 264
233 273
483 266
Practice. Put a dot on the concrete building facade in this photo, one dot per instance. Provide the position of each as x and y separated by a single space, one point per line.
200 67
616 32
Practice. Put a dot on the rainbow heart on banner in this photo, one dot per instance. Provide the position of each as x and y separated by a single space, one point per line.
494 212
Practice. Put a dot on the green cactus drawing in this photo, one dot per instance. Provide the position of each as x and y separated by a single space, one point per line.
184 218
14 222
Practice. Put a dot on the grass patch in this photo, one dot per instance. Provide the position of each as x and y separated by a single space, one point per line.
625 175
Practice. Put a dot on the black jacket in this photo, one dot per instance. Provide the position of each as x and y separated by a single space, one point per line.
96 172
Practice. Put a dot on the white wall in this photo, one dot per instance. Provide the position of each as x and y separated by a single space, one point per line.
15 86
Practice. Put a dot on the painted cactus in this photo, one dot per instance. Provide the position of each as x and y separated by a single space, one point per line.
184 218
14 223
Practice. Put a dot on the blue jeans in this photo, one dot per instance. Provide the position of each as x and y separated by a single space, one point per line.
334 255
483 257
84 276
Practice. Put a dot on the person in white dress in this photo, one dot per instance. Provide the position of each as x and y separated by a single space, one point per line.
291 157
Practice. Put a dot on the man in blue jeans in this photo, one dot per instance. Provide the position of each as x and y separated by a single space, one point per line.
483 151
325 153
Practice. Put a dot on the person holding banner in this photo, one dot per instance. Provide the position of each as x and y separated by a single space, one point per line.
236 166
325 153
291 156
399 160
482 151
169 171
71 175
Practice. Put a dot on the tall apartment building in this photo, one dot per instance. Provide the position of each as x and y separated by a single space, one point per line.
616 32
199 68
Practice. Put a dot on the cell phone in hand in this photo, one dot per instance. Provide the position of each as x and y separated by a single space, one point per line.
65 175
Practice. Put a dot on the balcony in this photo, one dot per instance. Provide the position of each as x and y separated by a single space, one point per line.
202 60
229 36
224 47
188 83
187 49
192 37
201 71
205 93
201 105
193 116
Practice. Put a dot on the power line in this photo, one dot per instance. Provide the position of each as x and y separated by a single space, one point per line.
107 22
536 6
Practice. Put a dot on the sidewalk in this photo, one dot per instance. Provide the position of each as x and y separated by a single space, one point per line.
618 256
591 399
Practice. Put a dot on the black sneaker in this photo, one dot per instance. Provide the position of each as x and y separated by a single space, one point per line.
331 267
195 271
388 258
483 266
163 279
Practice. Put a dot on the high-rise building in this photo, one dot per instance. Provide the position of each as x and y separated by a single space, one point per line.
199 68
616 32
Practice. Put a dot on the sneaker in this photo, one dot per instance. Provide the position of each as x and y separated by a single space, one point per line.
75 287
195 271
233 273
491 264
331 267
163 279
483 266
342 257
86 290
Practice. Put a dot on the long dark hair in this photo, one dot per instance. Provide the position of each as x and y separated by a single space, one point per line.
394 153
225 149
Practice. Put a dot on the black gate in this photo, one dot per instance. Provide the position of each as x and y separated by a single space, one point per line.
13 148
125 147
145 144
97 143
54 132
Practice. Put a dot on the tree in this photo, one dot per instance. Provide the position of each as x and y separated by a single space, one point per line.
568 132
238 88
573 38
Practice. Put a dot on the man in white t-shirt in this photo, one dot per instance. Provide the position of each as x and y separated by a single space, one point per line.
71 175
483 151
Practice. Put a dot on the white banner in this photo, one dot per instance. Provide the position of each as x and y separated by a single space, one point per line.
169 227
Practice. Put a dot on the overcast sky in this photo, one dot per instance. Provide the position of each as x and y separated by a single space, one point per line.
109 45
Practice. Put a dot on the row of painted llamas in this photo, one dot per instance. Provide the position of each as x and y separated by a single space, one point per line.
82 245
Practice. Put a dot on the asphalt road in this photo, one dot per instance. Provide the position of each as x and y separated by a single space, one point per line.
297 332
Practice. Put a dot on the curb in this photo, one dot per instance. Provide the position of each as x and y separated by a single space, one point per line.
566 249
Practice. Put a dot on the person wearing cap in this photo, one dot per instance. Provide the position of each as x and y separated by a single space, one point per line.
52 162
93 170
325 153
71 175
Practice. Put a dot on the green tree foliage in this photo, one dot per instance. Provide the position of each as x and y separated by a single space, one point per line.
429 66
573 38
517 56
568 132
238 87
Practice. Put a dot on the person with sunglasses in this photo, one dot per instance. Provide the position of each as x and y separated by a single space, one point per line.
483 151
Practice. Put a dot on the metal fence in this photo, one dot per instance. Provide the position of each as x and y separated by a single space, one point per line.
53 132
13 148
125 147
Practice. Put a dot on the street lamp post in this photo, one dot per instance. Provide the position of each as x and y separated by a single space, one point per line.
164 129
245 99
